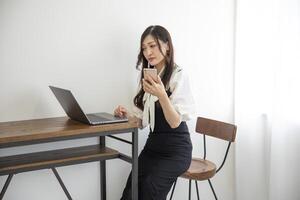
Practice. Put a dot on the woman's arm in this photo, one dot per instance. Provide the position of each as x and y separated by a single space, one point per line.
171 115
121 111
158 89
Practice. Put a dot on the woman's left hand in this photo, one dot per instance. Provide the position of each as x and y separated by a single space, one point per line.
154 87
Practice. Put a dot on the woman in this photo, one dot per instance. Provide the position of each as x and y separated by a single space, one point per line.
165 103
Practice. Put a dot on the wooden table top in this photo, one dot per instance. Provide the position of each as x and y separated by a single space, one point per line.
41 129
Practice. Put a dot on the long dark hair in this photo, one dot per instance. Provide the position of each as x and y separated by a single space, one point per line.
158 33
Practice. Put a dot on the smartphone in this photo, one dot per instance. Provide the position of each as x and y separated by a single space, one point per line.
151 72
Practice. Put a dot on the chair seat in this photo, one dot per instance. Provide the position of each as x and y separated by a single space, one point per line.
200 170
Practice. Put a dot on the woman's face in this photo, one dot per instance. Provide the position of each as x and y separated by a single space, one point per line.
151 50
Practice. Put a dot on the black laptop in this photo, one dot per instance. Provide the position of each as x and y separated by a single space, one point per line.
73 110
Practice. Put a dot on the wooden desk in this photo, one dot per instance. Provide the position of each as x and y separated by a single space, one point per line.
28 132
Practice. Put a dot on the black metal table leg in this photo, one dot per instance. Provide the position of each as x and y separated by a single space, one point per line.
134 180
102 172
190 187
61 183
6 185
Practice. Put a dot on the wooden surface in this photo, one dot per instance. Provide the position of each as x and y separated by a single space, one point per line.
30 130
55 158
200 170
218 129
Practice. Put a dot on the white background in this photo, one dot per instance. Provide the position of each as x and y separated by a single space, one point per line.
91 48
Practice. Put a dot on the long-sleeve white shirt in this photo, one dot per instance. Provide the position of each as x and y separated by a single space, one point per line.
181 98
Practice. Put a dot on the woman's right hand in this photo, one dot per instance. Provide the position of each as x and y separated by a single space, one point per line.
120 111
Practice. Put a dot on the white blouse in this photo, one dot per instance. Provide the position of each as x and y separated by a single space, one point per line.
181 98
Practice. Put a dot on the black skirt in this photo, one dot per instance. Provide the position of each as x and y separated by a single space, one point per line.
164 158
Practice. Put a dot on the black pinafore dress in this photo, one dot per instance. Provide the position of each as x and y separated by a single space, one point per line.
167 154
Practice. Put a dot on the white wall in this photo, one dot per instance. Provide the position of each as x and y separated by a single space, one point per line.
91 47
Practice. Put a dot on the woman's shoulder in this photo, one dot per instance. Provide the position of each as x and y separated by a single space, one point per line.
177 68
178 72
177 76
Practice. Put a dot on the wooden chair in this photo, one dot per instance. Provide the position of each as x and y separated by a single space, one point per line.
202 169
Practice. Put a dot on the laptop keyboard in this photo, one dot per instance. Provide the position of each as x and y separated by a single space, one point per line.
95 118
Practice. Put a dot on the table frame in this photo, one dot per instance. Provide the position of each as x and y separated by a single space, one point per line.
21 133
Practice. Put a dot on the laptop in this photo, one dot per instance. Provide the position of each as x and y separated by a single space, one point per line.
74 111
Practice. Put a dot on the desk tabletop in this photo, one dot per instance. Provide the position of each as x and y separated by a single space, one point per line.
51 128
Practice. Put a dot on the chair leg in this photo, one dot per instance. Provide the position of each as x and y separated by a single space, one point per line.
212 189
196 184
190 183
174 185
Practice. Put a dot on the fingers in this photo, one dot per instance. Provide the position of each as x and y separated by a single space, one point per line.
159 79
146 83
120 111
146 86
150 79
123 111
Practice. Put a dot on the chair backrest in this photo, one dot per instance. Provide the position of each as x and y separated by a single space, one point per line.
218 129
